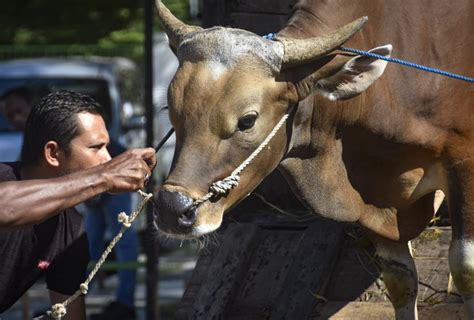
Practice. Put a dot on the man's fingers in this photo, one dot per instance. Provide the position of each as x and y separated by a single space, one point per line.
148 155
130 171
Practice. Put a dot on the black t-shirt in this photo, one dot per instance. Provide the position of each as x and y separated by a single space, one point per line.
56 248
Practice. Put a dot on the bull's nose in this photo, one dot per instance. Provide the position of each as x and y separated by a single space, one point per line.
188 218
175 208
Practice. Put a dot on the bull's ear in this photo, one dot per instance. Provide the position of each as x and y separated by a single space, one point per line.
355 76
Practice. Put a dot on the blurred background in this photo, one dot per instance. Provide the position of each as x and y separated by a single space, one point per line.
97 48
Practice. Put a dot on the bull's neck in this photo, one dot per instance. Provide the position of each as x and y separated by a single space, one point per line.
312 18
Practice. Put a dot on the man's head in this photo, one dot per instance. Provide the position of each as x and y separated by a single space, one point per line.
66 132
17 106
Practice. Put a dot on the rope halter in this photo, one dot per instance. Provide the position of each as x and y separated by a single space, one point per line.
223 186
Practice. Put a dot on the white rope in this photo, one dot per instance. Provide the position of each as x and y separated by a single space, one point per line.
59 310
124 219
225 185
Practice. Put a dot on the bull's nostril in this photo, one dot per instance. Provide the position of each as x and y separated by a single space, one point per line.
188 218
175 209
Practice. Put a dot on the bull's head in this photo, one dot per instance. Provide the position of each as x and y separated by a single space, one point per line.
231 88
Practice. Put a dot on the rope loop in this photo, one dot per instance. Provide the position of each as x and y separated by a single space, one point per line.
124 219
84 288
224 186
58 311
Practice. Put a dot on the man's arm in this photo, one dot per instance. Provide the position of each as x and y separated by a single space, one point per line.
75 311
32 201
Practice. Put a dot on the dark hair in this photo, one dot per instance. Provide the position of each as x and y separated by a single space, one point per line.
54 118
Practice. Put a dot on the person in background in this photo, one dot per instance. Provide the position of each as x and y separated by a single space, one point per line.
17 105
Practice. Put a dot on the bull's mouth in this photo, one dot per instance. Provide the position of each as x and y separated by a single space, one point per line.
178 217
192 233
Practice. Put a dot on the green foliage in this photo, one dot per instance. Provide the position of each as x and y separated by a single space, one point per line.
82 26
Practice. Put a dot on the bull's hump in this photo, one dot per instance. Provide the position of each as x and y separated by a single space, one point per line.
226 46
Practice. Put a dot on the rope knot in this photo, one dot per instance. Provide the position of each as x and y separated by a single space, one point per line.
124 219
58 311
84 288
224 186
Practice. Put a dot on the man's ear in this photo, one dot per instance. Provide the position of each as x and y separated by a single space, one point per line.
51 153
355 76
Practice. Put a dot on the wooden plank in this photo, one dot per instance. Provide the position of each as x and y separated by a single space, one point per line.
263 271
355 311
278 269
357 268
356 273
310 270
192 289
224 273
430 251
433 274
433 242
265 274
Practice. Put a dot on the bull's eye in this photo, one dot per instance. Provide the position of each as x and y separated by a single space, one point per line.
247 121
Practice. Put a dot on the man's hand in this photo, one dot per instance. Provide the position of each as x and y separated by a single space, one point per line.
130 170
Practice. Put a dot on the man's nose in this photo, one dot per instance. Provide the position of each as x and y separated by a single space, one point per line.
107 156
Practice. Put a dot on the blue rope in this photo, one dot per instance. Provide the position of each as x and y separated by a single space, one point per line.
409 64
272 36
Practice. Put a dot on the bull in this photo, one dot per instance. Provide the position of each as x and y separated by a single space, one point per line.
382 153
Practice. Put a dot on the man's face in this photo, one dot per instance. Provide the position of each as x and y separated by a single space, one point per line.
89 148
17 110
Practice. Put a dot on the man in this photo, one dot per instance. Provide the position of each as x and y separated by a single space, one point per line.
64 162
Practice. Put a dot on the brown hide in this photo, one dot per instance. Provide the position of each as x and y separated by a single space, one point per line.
380 156
377 158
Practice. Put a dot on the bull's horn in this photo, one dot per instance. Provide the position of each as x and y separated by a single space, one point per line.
174 28
298 51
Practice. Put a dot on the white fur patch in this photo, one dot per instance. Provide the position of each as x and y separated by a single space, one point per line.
227 46
461 265
461 255
216 68
204 229
438 200
196 232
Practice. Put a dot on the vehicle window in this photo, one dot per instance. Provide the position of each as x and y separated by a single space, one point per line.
38 87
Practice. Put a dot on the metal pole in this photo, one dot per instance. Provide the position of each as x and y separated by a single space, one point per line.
151 247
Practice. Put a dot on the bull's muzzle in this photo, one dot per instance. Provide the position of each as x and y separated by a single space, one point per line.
175 211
